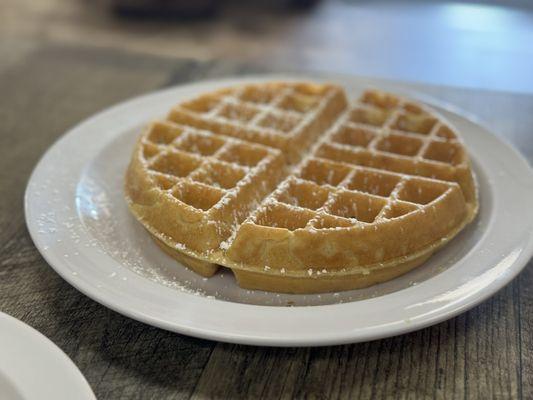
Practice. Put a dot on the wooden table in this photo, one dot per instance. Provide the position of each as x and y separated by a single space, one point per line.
484 353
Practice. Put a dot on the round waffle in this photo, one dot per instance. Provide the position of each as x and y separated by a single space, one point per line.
297 190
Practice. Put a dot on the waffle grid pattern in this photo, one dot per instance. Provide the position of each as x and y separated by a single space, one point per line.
403 138
285 116
199 168
273 180
276 112
325 193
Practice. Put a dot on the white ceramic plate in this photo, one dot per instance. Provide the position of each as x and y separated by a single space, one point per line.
80 223
34 368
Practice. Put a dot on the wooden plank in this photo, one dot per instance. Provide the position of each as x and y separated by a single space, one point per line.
524 292
472 356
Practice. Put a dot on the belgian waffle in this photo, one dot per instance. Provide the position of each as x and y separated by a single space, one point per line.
298 191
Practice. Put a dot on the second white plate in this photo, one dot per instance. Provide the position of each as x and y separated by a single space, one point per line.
80 223
34 368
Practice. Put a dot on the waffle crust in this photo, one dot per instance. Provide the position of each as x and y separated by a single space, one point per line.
297 190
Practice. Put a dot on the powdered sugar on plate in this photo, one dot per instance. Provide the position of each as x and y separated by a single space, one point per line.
102 210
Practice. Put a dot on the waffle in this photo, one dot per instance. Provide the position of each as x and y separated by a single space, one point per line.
278 115
298 191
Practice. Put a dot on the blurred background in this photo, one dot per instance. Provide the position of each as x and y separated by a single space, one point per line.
475 44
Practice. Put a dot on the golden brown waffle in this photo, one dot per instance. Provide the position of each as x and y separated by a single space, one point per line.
339 197
285 116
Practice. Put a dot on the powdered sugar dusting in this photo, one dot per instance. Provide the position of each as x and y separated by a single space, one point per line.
105 227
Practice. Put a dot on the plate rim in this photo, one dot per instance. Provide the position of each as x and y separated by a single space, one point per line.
349 337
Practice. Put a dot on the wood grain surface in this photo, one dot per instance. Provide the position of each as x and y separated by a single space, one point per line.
485 353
